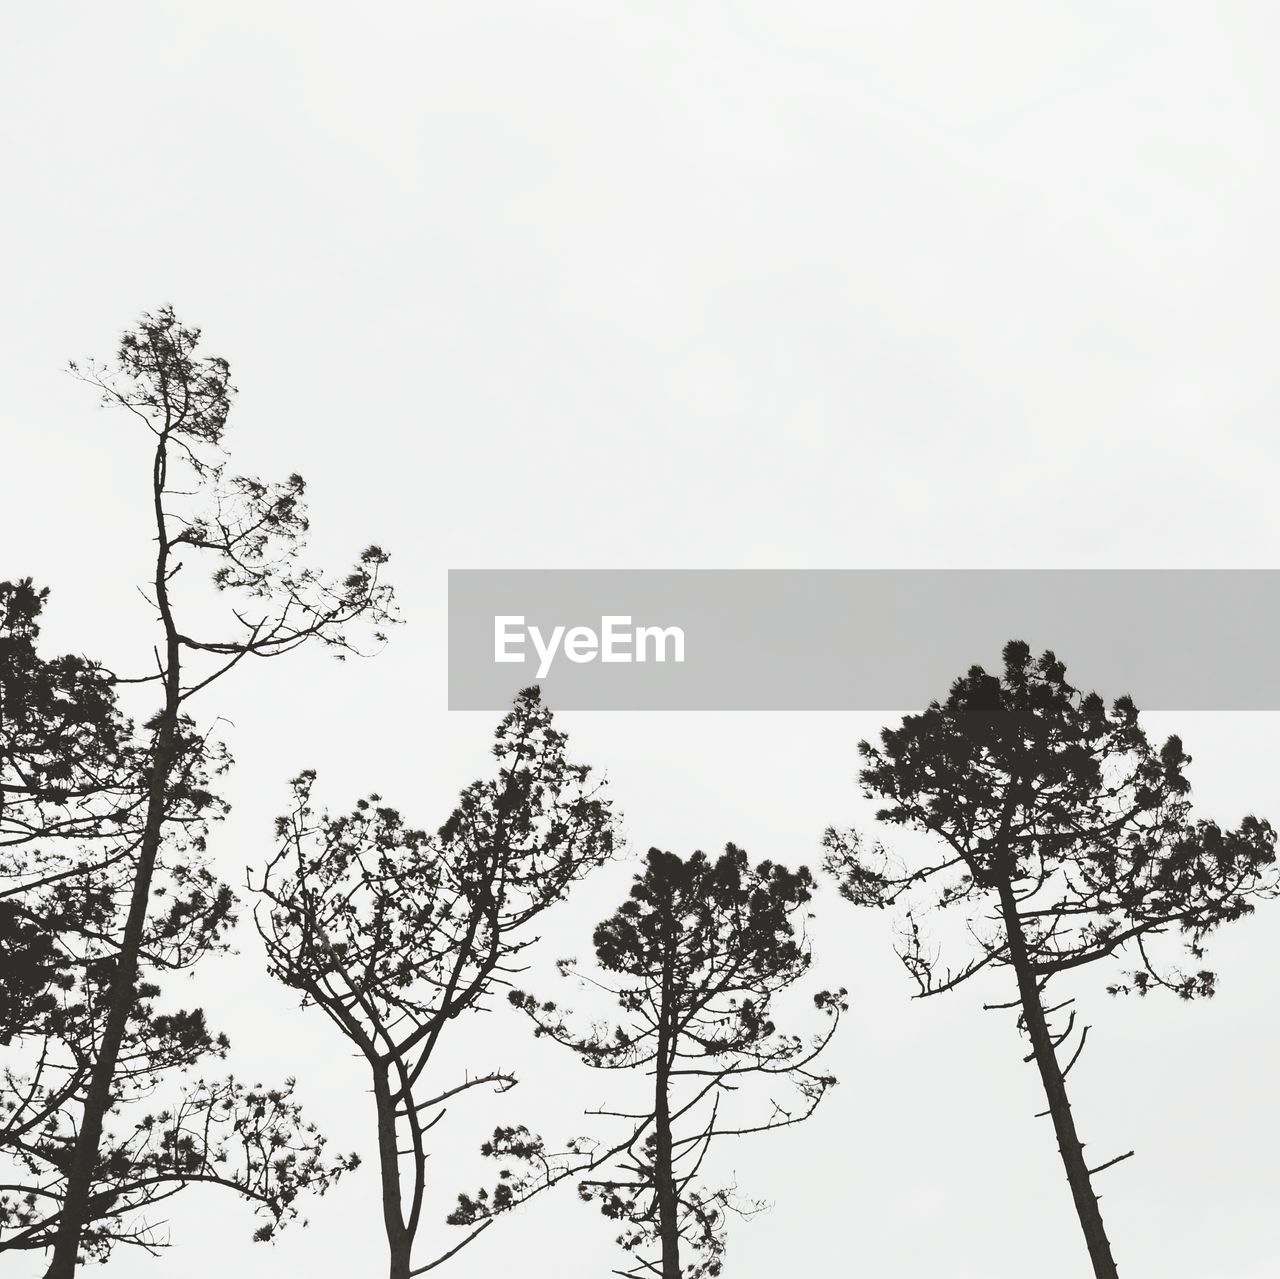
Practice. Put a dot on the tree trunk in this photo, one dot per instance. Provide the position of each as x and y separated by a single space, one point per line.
97 1102
663 1170
1055 1091
399 1240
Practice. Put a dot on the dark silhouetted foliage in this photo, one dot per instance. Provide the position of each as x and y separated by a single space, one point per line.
74 774
249 536
1067 839
694 958
394 934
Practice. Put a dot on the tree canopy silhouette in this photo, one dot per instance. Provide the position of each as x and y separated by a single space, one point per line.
67 773
67 767
249 536
73 773
1067 840
394 934
694 958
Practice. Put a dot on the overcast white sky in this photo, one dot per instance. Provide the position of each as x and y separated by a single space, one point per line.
668 285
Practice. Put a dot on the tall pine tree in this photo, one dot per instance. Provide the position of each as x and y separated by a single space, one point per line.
695 958
1067 840
248 536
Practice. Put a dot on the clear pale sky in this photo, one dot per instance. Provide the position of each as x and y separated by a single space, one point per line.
668 285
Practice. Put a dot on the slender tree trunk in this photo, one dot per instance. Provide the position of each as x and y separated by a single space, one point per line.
1055 1091
663 1169
98 1097
399 1240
